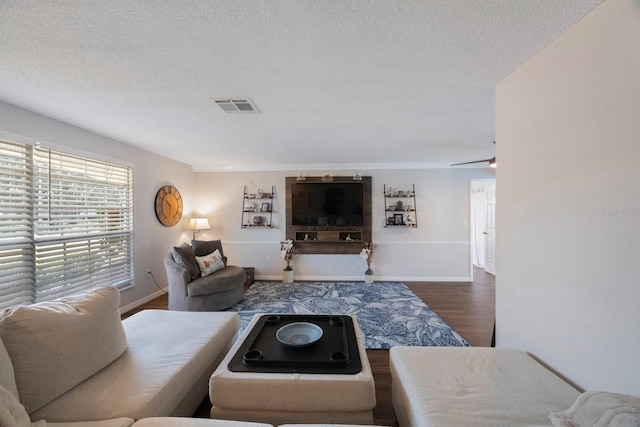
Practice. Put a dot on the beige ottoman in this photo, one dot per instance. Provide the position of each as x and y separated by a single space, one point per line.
278 398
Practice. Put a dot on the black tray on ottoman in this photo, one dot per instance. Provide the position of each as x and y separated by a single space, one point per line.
336 352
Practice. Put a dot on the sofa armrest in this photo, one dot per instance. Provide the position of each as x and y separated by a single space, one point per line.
178 277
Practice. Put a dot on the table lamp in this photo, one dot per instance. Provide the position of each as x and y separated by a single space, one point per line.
198 223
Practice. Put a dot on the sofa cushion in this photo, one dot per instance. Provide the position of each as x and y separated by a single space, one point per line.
210 263
58 344
116 422
204 247
194 422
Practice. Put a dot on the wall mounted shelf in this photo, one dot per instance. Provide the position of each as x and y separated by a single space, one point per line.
400 207
257 208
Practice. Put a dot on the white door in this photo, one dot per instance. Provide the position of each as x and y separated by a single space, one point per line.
490 233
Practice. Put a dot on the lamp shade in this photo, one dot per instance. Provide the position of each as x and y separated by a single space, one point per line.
199 223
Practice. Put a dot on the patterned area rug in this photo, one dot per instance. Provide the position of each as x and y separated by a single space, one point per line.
388 313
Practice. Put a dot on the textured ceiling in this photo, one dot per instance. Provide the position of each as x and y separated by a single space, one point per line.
339 83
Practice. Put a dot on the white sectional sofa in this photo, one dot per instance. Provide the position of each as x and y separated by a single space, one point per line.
465 386
73 359
494 387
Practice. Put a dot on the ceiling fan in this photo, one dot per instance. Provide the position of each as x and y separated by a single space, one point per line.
492 161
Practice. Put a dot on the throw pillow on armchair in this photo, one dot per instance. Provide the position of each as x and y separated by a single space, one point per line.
210 263
183 255
204 248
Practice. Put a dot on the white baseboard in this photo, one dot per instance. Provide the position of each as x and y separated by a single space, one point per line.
144 300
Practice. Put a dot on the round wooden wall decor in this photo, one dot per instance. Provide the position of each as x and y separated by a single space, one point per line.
168 205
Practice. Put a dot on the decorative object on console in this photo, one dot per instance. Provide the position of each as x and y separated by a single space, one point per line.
287 252
168 205
367 255
197 224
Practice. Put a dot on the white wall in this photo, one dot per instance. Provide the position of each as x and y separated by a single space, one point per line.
437 250
568 140
151 239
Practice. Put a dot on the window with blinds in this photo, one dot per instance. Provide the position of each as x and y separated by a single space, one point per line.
66 224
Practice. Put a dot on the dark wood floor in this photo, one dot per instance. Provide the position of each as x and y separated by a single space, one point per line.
469 308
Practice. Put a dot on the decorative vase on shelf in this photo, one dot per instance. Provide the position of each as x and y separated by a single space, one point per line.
368 276
287 275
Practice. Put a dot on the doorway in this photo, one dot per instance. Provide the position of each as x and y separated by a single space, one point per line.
482 224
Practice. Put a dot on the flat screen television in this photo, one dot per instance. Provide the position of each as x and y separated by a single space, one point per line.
327 203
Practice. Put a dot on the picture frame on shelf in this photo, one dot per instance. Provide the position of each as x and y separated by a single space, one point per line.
266 207
398 219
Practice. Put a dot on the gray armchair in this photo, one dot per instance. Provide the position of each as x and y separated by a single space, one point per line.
189 291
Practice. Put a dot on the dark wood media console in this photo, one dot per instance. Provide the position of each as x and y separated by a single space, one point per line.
329 238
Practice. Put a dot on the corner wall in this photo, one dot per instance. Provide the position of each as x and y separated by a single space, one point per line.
568 202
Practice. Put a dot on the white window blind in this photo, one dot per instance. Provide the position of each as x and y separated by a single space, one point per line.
17 272
78 224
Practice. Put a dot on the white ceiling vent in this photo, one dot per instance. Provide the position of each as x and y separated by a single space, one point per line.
244 105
